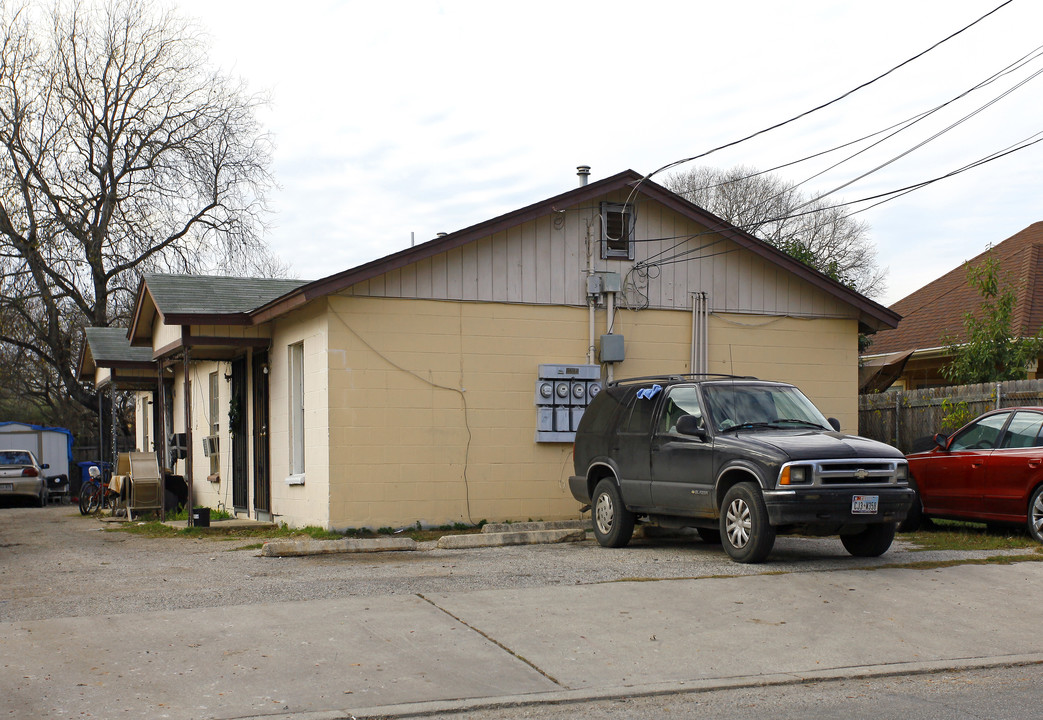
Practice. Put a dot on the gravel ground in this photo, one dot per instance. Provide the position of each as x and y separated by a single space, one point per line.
56 563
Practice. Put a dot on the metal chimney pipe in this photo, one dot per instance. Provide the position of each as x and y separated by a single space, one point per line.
583 171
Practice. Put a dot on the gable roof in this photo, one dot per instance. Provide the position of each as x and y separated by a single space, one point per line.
937 309
187 300
872 316
109 347
202 300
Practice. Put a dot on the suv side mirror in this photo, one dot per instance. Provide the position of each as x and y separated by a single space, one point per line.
941 440
834 423
691 425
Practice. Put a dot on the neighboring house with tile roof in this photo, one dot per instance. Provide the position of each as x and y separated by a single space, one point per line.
409 389
913 354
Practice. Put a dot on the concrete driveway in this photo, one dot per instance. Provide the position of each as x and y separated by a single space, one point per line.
99 625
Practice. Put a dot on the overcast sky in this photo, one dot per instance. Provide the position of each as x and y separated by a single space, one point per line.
392 118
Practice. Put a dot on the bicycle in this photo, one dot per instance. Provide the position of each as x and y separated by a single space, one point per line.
95 494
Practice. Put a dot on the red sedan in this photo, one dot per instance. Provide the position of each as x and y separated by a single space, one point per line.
990 470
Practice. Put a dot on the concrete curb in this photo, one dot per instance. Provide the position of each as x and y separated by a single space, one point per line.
435 708
295 548
529 537
527 526
500 535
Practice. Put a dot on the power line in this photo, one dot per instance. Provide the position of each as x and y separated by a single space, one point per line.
881 198
830 102
896 128
919 145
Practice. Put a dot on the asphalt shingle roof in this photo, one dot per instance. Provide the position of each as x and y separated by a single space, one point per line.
109 345
214 295
937 309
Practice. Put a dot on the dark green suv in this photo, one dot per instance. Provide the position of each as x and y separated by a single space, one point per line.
737 458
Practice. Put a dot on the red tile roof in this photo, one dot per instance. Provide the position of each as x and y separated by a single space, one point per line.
937 309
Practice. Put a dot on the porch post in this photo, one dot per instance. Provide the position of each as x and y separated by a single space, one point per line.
159 432
112 399
188 436
101 425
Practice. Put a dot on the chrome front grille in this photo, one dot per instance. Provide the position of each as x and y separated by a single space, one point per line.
855 472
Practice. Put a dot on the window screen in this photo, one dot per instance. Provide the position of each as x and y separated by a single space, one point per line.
617 231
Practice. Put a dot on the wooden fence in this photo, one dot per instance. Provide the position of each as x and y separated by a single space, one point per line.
909 419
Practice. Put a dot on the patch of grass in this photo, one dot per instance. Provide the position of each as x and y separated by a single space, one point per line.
935 564
215 514
253 546
148 528
957 535
155 528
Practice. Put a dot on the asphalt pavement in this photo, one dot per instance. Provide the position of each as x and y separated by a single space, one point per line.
428 653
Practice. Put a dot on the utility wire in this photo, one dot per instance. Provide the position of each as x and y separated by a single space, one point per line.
881 198
891 131
901 126
1020 63
830 102
919 145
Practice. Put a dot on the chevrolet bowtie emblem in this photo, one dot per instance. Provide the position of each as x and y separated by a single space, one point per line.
861 474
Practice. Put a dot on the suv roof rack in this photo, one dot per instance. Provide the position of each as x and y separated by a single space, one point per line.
678 377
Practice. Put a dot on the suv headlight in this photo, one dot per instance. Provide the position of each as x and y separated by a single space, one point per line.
795 475
902 473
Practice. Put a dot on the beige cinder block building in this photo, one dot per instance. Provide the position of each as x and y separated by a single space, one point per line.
408 389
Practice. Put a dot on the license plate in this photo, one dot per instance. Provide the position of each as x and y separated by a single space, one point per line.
865 504
9 487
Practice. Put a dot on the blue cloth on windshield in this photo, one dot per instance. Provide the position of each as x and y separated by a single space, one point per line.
649 392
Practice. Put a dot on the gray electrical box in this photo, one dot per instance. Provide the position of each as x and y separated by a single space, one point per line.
562 394
611 282
611 348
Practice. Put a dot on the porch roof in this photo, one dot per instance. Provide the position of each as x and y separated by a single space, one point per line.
108 347
201 300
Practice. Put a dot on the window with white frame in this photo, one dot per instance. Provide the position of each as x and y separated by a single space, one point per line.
296 376
144 423
617 231
215 427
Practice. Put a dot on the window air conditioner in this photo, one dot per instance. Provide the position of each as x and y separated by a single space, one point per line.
211 445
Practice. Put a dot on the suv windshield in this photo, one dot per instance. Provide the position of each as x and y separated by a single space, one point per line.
773 406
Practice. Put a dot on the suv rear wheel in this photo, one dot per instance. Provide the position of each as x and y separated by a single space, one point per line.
746 534
613 523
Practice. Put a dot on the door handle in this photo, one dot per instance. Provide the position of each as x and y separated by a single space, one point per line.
1034 463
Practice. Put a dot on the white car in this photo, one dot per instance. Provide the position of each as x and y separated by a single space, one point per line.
21 475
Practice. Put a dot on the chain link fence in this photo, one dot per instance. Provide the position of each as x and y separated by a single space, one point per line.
909 419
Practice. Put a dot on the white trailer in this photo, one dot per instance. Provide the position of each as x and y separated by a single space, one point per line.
51 446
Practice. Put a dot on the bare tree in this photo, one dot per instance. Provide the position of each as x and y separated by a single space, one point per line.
123 151
774 210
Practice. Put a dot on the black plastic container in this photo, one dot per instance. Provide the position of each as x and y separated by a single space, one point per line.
201 517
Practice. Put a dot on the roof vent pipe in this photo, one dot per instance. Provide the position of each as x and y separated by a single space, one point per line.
583 171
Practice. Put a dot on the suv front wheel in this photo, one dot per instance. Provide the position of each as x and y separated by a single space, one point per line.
746 534
613 523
